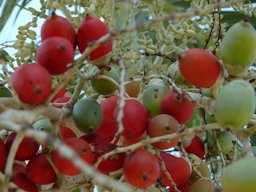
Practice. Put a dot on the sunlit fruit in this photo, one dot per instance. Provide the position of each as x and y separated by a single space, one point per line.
87 114
235 104
163 125
27 148
104 86
203 185
43 125
32 83
110 164
132 88
225 143
55 54
178 105
240 176
56 25
204 171
179 169
134 120
199 67
40 171
3 156
152 97
90 30
66 166
195 146
141 168
237 50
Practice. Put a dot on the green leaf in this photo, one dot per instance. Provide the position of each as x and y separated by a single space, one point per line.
7 10
232 17
22 6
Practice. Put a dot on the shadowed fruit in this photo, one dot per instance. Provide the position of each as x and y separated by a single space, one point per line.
203 185
3 156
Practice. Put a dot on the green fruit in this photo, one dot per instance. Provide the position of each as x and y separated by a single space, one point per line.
43 125
87 115
253 139
175 74
240 176
203 185
153 95
235 104
224 139
104 86
203 169
5 92
238 48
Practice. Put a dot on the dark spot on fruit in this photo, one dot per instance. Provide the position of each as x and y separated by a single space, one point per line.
38 90
234 142
145 177
62 47
167 128
84 150
129 133
30 82
34 143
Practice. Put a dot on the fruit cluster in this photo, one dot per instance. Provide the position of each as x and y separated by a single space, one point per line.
155 117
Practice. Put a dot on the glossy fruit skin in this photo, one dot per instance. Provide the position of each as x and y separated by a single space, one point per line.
91 29
87 115
23 182
203 185
32 83
108 126
162 125
66 132
133 109
183 188
65 166
3 156
56 25
195 146
55 54
240 176
27 148
111 164
235 104
178 105
224 139
141 168
238 50
40 171
199 67
153 95
179 169
103 86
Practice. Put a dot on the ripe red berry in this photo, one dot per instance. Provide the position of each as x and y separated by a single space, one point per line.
178 105
199 67
32 83
55 53
91 29
59 102
59 26
3 156
183 188
27 148
23 182
66 133
135 119
110 164
179 169
141 168
195 146
18 168
95 138
40 171
66 166
162 125
63 92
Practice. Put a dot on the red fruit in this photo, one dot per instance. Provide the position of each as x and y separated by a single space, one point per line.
59 26
108 126
3 156
18 168
199 67
178 105
40 171
91 29
183 188
55 53
27 148
130 141
66 133
23 182
195 146
95 138
66 166
141 168
163 125
58 103
179 169
32 83
135 119
63 92
112 163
